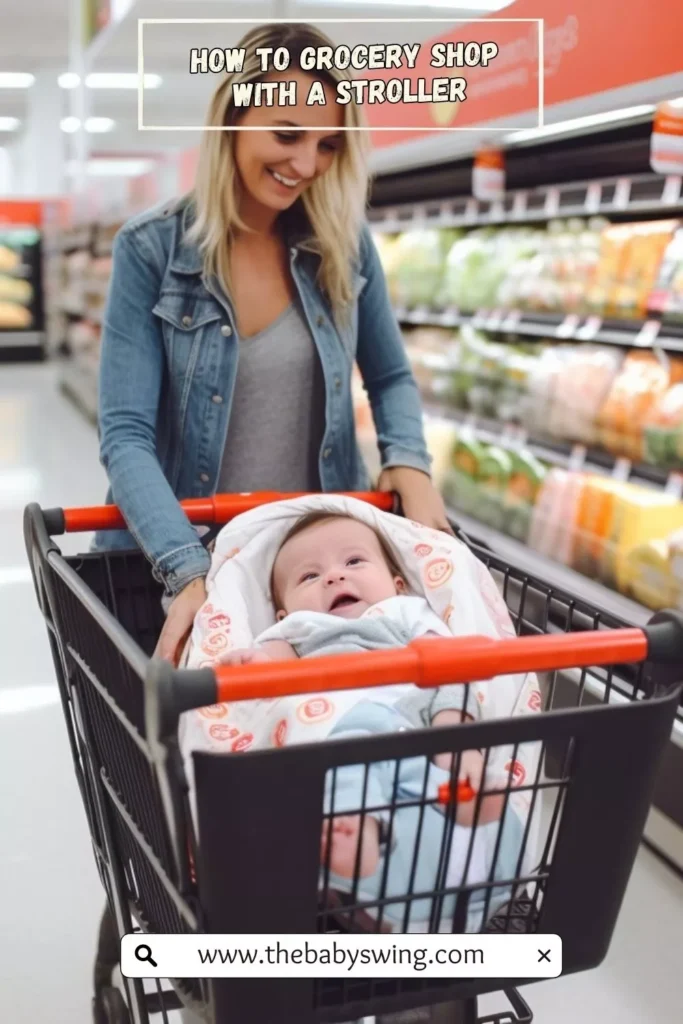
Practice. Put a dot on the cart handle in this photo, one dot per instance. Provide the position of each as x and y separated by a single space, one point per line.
205 511
439 660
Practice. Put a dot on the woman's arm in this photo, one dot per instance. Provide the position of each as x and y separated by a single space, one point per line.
394 398
131 372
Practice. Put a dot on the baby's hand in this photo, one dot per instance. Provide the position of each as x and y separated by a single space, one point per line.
244 656
472 771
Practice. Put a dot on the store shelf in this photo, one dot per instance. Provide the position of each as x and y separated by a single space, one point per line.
565 454
552 573
78 380
644 334
636 196
22 339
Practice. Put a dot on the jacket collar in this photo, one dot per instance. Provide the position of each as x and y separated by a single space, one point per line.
187 258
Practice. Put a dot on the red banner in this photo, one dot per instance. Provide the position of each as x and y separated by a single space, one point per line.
589 47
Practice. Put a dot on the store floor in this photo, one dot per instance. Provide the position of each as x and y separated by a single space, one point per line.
50 894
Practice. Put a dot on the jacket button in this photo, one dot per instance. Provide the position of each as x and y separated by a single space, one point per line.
226 330
186 321
337 383
327 453
320 321
217 399
204 477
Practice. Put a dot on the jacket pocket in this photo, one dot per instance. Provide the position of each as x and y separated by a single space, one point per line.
184 323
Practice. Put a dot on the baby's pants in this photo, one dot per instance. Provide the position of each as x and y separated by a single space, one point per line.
421 852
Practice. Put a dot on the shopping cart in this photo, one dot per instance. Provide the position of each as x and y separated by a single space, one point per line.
609 692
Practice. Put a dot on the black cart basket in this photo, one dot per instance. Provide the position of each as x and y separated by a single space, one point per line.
246 858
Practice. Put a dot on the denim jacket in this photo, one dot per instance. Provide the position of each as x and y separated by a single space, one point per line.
168 367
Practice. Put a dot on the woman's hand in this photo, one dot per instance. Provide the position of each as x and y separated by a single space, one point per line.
420 499
179 621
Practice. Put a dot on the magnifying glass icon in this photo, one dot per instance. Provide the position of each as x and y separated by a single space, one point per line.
144 955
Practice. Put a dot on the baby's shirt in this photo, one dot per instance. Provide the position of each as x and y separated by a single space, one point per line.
388 624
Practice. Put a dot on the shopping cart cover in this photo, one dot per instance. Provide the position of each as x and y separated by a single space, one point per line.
437 566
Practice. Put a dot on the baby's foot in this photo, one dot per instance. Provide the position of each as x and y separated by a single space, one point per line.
345 834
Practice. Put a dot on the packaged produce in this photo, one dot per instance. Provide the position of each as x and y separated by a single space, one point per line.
460 484
14 317
651 579
643 379
10 259
640 515
630 258
663 429
13 289
578 390
522 489
495 469
440 436
666 297
553 520
415 266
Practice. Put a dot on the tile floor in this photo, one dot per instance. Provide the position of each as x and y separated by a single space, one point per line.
50 894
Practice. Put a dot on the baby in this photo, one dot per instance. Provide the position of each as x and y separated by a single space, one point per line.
336 588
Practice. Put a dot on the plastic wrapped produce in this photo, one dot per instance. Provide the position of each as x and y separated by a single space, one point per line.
663 429
643 379
415 268
579 390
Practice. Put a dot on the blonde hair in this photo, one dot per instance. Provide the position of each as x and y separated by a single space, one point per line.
334 204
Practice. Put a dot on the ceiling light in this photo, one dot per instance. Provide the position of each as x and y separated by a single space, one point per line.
94 125
108 80
9 124
99 124
68 80
112 168
16 80
578 123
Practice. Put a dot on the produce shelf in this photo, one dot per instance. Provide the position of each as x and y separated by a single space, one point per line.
565 454
632 196
645 334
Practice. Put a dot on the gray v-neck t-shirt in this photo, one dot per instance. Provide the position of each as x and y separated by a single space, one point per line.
277 417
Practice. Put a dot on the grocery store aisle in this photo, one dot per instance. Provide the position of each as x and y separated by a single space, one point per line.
50 893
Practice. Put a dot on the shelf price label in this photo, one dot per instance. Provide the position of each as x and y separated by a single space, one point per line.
450 317
497 210
577 457
621 470
519 205
552 202
494 320
674 485
511 321
622 193
479 319
593 197
671 192
567 329
647 334
471 209
590 329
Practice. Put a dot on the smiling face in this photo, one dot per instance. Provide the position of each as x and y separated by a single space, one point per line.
335 566
280 161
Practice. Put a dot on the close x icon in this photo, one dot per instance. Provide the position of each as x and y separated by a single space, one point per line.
543 957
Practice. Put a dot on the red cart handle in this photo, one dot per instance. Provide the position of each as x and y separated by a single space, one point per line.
439 660
205 511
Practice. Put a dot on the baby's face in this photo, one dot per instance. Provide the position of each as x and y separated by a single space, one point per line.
336 566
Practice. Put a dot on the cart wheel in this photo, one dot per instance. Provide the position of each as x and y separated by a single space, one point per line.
109 1007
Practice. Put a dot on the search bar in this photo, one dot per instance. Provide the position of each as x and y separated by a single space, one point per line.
355 956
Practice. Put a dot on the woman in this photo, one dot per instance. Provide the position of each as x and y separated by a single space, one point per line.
232 325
